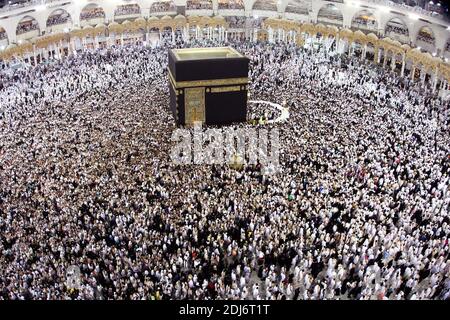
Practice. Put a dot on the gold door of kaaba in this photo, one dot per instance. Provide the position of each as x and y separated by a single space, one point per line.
194 105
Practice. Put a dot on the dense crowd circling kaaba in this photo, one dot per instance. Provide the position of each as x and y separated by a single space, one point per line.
358 210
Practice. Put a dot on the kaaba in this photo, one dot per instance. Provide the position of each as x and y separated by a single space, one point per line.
208 85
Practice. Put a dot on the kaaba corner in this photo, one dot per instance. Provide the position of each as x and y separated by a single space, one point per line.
208 85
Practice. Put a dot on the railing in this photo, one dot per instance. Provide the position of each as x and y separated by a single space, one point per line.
10 7
386 3
404 6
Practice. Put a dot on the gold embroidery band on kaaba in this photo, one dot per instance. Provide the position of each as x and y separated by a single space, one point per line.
226 89
207 83
205 53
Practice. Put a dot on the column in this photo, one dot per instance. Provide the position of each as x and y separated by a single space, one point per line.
413 72
270 32
393 62
186 33
57 51
403 66
34 55
435 81
61 49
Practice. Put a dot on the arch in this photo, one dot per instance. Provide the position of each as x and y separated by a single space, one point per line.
4 39
372 39
126 10
396 28
330 14
231 4
199 5
265 5
357 46
396 25
163 6
179 22
426 34
166 22
26 25
58 17
398 58
365 20
93 14
299 7
370 50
